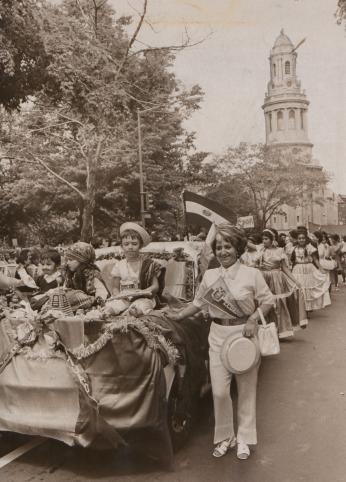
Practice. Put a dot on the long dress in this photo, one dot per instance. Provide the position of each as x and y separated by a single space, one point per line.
289 314
315 283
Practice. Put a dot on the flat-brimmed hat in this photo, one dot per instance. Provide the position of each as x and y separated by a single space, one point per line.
139 229
239 354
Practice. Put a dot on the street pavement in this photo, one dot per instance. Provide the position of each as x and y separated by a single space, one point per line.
301 425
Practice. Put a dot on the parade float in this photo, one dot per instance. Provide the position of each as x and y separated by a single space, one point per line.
75 374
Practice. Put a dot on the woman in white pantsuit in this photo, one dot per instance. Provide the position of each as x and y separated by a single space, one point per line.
248 290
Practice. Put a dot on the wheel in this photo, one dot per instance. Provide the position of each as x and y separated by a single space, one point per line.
179 418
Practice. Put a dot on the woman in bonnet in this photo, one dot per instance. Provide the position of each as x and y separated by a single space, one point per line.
247 290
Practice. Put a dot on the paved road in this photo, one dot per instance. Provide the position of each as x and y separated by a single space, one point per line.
301 425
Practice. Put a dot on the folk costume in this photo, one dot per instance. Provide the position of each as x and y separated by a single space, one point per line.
289 313
132 279
87 277
315 284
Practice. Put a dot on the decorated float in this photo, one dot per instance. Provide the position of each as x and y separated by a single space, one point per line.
73 373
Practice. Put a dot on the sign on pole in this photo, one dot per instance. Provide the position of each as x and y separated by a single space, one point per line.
245 222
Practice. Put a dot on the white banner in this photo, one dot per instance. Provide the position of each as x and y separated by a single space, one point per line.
245 222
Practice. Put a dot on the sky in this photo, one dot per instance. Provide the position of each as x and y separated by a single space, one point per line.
232 67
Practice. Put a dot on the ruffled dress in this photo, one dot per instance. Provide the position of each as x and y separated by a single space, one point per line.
289 314
315 284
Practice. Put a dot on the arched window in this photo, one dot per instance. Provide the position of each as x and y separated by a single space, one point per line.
291 119
270 122
301 118
280 120
287 67
274 70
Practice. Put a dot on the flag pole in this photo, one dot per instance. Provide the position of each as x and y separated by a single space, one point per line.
186 229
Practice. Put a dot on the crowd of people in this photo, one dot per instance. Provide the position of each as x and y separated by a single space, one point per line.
281 277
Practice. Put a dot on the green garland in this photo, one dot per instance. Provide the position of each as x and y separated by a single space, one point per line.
150 331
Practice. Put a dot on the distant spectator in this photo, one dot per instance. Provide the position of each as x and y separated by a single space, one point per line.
202 235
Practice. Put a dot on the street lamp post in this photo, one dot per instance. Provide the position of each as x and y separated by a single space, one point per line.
140 158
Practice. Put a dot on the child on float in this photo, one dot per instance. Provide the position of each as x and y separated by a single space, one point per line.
51 275
82 273
135 278
50 278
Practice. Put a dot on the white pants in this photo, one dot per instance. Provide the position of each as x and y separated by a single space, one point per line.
221 381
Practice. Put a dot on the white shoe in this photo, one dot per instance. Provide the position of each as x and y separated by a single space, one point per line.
223 447
243 451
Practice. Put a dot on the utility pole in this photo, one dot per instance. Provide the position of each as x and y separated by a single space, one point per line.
140 158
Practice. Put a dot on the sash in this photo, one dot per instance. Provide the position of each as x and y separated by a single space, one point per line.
219 296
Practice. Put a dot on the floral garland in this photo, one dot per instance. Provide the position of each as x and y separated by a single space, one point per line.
151 332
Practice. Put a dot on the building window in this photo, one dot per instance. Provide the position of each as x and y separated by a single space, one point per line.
274 219
280 120
274 70
286 220
301 118
298 219
291 119
287 67
270 122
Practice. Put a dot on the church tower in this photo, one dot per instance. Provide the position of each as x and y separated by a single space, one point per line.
285 104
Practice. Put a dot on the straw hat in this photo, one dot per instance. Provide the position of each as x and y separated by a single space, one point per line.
239 354
136 227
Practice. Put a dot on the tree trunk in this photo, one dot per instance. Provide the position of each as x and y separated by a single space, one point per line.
89 199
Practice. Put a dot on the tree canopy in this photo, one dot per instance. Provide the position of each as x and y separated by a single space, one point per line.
259 181
80 129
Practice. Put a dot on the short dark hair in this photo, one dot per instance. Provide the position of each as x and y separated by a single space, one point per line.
236 236
23 256
53 255
131 233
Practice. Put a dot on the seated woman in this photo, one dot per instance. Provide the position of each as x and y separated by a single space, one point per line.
82 273
136 276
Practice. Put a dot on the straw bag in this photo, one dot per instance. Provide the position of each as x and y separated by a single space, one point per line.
268 339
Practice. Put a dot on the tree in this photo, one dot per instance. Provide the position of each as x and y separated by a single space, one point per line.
341 12
82 126
268 179
23 59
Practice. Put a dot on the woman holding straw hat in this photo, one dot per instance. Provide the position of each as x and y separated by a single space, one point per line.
246 289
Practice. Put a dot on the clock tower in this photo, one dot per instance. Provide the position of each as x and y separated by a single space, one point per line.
285 104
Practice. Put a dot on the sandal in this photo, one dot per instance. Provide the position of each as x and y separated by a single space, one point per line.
223 447
243 451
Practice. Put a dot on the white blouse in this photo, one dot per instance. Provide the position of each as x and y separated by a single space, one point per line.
246 285
129 279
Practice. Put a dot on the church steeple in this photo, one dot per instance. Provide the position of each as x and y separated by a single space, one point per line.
285 105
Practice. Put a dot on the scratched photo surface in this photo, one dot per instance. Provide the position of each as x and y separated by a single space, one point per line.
301 397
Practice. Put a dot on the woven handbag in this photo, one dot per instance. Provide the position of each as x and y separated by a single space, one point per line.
268 339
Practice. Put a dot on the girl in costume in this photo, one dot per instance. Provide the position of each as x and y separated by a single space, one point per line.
136 277
82 273
51 277
306 269
289 313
